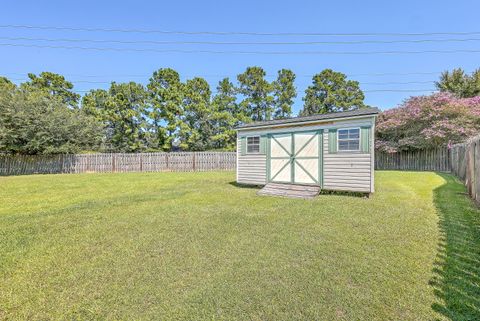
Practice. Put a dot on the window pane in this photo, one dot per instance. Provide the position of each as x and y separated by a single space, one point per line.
253 144
353 145
253 148
349 139
343 145
354 133
342 134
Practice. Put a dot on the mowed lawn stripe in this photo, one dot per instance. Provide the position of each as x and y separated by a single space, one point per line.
197 246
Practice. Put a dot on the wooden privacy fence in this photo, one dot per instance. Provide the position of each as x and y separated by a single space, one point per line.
462 160
437 159
118 162
465 160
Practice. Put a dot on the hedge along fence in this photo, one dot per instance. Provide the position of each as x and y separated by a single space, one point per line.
117 162
437 159
465 159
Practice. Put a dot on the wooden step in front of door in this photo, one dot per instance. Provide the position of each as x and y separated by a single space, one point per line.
290 190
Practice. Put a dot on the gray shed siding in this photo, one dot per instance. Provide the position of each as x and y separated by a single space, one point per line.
346 171
251 168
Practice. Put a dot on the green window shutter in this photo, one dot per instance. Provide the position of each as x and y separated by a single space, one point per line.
365 139
243 145
332 140
263 144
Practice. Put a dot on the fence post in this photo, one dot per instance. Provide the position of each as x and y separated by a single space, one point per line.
8 159
113 163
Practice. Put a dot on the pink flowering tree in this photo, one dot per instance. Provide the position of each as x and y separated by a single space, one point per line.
428 121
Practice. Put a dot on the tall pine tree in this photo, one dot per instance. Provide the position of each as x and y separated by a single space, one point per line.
284 93
257 94
332 92
195 126
226 115
166 97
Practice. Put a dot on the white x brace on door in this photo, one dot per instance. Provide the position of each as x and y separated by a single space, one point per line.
295 158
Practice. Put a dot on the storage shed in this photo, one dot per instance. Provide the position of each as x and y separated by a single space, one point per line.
331 151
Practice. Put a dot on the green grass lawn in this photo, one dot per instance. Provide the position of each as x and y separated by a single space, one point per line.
194 246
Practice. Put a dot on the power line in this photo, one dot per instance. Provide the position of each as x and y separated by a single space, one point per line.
73 81
241 33
229 76
398 90
214 92
365 91
397 83
80 81
397 73
391 52
237 42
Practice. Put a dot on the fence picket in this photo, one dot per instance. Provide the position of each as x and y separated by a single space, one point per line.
420 160
465 159
119 162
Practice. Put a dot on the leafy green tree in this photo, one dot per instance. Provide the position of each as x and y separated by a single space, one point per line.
166 97
94 104
226 115
332 92
284 93
459 83
34 122
195 126
55 85
6 83
122 111
257 94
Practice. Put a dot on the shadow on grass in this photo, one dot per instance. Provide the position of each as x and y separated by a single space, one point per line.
235 184
344 193
456 279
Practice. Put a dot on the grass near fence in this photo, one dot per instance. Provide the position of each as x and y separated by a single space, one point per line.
195 246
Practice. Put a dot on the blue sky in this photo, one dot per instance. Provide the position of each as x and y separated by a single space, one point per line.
412 74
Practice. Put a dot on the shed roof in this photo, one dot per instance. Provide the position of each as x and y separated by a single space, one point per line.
319 117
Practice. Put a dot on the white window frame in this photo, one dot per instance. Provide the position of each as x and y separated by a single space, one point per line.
348 150
246 141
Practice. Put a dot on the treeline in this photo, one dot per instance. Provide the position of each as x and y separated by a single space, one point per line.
45 114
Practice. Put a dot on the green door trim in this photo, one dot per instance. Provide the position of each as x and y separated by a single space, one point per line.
292 158
320 156
269 158
269 136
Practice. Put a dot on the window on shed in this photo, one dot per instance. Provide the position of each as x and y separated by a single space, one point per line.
253 144
349 139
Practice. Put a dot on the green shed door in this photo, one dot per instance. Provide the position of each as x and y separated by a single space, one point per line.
295 158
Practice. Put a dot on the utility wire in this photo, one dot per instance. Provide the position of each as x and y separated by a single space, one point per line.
242 33
365 91
229 76
388 52
80 81
398 90
237 42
